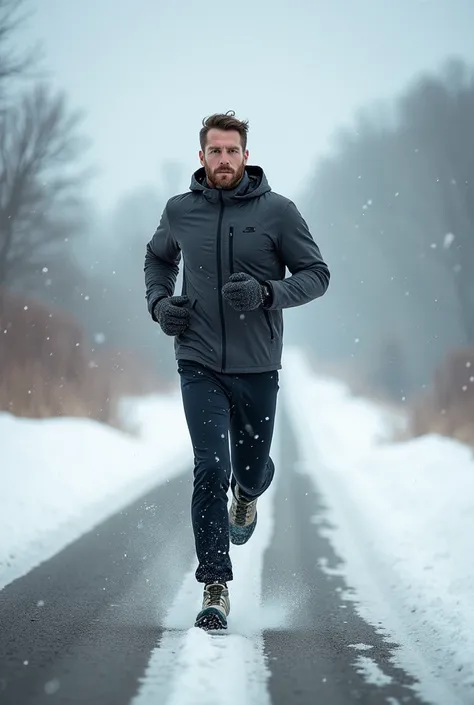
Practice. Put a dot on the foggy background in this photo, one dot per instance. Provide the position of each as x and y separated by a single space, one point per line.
360 110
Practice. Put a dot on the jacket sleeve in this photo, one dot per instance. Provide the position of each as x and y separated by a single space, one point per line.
301 255
161 263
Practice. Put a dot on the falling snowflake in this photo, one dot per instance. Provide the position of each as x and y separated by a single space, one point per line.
448 240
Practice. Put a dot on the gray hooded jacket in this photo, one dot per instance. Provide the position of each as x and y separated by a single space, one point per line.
219 232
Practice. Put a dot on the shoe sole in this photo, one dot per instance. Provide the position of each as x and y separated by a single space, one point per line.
211 619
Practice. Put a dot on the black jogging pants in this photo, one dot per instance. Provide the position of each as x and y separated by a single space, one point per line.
223 408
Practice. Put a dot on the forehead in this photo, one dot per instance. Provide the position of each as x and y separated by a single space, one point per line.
223 138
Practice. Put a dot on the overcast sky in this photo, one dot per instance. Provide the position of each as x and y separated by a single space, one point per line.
147 71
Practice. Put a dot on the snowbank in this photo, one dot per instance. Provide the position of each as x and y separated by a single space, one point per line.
402 513
60 477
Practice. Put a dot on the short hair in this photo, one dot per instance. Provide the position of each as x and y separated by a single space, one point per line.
224 121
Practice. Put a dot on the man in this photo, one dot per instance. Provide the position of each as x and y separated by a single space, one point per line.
236 237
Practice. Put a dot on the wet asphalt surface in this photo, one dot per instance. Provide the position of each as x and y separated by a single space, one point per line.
314 660
79 630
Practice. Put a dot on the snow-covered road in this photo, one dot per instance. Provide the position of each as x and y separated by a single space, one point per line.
401 519
109 619
351 588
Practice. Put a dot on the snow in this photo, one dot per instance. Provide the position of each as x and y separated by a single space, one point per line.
402 521
63 476
371 671
361 647
184 666
60 477
448 240
400 516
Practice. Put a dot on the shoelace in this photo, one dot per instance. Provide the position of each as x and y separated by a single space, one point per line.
215 594
243 511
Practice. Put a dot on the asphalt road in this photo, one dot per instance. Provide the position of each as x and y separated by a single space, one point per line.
78 626
313 660
76 630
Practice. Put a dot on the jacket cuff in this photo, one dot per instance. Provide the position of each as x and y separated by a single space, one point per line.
152 306
271 299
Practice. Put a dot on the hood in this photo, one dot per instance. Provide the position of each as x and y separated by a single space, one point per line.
253 185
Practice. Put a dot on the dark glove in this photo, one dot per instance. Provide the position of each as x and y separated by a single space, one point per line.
170 314
243 292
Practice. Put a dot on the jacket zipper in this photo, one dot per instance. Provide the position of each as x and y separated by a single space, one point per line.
231 249
220 283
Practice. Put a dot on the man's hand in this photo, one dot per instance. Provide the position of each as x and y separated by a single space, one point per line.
170 314
243 292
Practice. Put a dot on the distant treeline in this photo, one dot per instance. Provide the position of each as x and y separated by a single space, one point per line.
393 210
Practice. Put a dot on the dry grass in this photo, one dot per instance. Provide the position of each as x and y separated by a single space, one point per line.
448 408
47 369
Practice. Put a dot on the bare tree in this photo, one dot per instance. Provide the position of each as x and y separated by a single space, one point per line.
13 63
39 183
438 115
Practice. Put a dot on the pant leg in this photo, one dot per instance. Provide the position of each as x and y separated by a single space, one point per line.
254 400
207 410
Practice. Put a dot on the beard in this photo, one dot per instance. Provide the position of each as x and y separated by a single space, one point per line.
227 178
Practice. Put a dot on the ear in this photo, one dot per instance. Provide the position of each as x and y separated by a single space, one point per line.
201 157
246 156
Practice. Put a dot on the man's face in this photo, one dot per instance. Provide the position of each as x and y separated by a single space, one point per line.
223 158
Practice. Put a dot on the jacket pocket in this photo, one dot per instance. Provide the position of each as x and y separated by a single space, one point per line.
269 323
